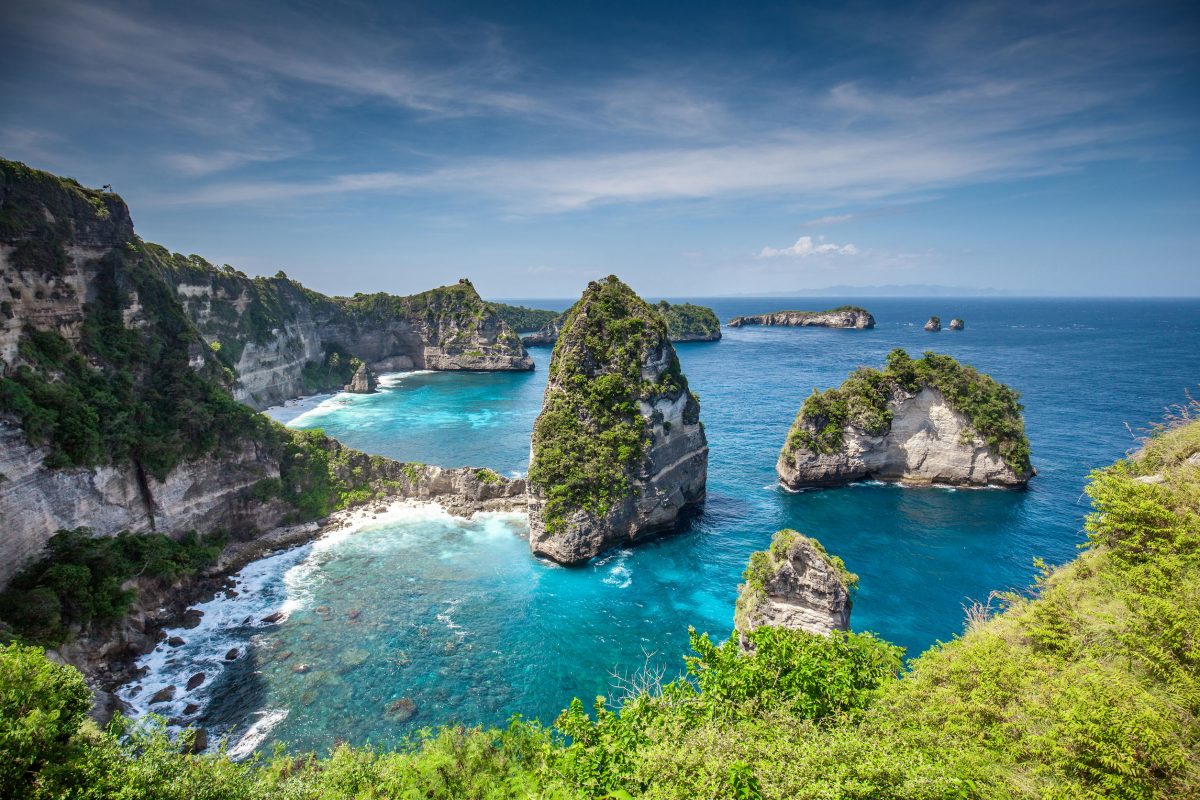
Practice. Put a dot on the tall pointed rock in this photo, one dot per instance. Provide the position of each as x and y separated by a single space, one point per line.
618 451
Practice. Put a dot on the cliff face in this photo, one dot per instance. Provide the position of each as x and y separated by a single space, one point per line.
846 317
282 335
618 451
928 442
902 425
795 584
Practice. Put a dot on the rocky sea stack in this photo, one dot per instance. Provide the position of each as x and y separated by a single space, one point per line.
794 584
618 450
956 324
927 421
365 381
934 324
840 317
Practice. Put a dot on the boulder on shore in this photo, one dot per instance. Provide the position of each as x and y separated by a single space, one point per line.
618 451
794 584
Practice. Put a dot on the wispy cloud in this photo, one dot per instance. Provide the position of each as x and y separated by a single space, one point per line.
806 246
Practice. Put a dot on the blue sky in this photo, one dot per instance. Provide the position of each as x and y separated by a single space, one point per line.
693 148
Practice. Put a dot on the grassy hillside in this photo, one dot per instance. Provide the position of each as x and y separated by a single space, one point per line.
1086 687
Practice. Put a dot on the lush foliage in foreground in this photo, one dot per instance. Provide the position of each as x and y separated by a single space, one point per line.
992 408
590 436
1091 689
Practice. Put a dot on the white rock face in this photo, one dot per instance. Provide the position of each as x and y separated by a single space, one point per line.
801 589
201 495
929 442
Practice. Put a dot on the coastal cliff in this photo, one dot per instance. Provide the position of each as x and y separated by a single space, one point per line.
794 584
283 341
841 317
115 406
920 422
686 322
618 451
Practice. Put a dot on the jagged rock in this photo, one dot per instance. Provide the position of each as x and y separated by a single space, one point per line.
190 708
934 324
271 619
956 324
794 584
196 741
195 681
618 451
841 317
164 695
231 654
897 425
364 381
176 641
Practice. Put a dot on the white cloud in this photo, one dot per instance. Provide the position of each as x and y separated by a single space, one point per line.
806 246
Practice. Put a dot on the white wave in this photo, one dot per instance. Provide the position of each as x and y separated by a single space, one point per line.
620 576
290 410
257 733
257 593
446 619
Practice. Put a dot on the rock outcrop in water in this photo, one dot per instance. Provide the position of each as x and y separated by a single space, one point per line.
685 323
618 450
364 381
919 422
794 584
956 324
934 324
841 317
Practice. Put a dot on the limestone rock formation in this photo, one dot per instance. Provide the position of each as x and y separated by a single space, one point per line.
901 425
364 381
618 451
934 324
841 317
546 335
794 584
956 324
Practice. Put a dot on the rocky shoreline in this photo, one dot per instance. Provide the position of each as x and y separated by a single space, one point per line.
108 657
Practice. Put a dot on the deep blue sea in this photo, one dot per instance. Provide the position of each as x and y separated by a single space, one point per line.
456 621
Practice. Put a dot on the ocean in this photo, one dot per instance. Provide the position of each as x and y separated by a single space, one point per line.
417 619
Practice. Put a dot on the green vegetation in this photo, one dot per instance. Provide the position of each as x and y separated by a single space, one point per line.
685 320
590 436
121 393
334 371
766 563
1090 688
81 579
488 476
862 401
520 318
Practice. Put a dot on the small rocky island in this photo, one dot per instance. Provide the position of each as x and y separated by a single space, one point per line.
685 323
794 584
934 324
956 324
365 381
923 421
618 450
840 317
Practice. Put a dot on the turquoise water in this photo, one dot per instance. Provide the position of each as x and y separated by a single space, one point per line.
457 621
